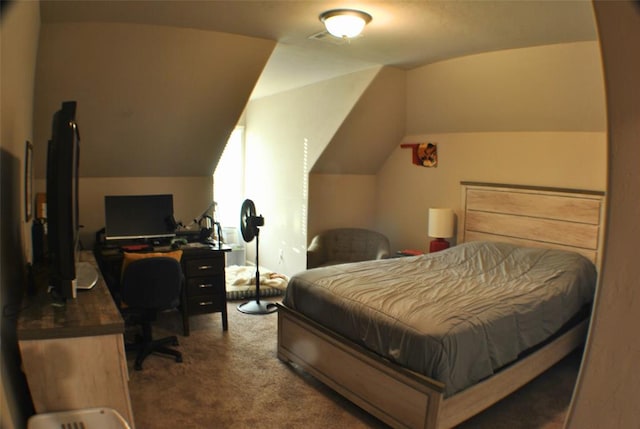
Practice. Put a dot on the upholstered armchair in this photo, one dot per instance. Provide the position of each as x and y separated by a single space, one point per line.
338 246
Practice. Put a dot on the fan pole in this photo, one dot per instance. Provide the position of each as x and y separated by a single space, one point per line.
257 266
255 306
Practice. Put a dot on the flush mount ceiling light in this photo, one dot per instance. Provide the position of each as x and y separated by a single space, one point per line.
345 23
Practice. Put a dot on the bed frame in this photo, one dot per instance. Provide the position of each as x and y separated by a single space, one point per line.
532 216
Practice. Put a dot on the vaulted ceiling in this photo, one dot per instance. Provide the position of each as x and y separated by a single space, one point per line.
404 34
151 99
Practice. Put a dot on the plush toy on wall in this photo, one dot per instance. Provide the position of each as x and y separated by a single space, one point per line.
423 154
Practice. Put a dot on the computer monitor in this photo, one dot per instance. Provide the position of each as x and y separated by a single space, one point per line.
139 217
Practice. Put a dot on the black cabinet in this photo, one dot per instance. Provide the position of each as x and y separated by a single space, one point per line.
205 283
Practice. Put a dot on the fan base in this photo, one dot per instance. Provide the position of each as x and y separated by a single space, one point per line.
257 307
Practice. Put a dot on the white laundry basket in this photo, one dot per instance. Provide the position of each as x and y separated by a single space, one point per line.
88 418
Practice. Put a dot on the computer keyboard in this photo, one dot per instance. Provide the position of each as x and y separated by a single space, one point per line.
86 275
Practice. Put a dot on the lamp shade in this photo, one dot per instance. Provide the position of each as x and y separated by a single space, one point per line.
441 222
345 23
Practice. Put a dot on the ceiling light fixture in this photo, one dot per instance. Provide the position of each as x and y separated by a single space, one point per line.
345 23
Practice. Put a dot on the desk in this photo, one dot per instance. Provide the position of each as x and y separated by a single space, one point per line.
73 356
203 267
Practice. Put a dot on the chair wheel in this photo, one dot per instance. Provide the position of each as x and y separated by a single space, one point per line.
137 366
179 359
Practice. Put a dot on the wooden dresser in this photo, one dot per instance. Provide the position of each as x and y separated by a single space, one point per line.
73 356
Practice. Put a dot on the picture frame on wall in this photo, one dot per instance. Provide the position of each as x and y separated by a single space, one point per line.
28 181
423 154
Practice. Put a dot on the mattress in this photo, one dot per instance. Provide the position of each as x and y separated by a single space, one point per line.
455 316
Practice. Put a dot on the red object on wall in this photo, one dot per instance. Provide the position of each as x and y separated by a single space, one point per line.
438 244
414 151
423 154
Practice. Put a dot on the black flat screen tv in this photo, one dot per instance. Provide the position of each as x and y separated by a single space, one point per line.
130 218
63 161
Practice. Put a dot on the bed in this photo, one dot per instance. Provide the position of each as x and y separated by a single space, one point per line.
403 358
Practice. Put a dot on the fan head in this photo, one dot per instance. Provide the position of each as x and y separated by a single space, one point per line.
249 222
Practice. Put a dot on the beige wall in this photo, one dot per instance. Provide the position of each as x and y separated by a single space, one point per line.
493 122
155 108
19 47
341 200
531 116
191 196
153 101
609 382
406 191
363 142
369 132
546 88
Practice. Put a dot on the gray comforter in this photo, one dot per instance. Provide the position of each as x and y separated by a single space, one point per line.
455 316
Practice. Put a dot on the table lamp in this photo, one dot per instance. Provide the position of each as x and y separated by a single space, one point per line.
440 227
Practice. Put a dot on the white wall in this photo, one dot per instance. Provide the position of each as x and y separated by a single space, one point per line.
285 134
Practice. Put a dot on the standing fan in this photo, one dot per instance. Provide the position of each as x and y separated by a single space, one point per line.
250 227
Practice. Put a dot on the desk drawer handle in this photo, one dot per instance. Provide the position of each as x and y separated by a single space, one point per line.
205 267
205 285
203 303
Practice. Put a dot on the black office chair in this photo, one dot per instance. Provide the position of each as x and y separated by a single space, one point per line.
148 286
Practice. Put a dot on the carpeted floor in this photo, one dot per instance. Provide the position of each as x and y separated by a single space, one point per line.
233 379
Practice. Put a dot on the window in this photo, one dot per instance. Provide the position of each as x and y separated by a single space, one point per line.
228 180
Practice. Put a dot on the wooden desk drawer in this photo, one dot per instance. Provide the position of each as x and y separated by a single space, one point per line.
203 267
204 304
212 285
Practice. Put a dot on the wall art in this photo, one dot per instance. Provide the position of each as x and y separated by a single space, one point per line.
423 154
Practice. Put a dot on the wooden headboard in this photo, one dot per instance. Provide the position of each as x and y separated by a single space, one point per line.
567 219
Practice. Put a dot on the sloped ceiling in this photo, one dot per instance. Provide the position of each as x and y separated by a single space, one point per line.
160 84
372 129
153 101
